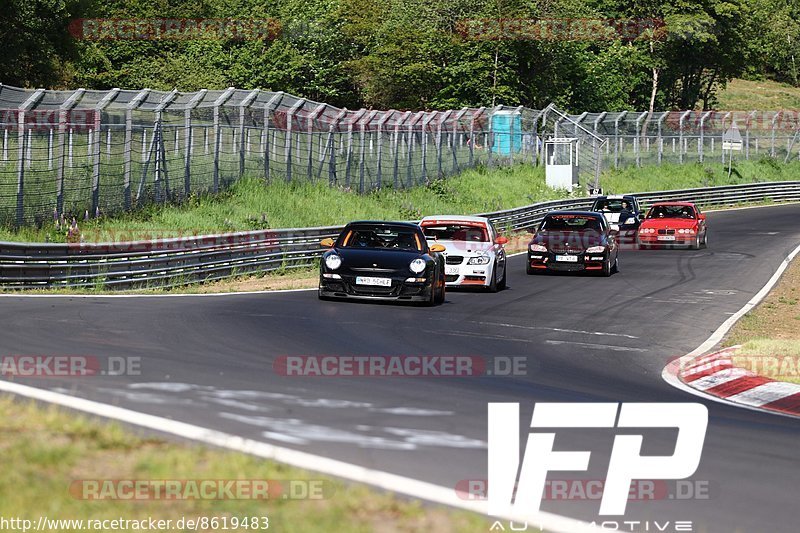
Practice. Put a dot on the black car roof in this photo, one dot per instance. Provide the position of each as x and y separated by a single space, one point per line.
593 214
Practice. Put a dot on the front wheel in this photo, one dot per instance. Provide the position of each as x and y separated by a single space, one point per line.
493 283
606 272
705 239
615 268
501 285
440 294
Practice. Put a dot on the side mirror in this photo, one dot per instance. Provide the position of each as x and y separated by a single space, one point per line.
501 240
702 216
437 248
614 228
327 243
641 216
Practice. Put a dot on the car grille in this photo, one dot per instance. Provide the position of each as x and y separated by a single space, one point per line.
562 249
666 232
451 278
454 259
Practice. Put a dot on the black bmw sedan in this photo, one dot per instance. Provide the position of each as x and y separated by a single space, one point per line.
382 261
574 241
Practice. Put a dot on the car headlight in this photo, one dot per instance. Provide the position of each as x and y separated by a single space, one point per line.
417 265
333 261
538 248
595 249
482 259
630 220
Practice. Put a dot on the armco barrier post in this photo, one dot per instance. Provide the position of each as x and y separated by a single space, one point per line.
68 104
189 139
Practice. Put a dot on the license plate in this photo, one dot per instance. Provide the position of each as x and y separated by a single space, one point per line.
567 258
666 237
450 270
380 282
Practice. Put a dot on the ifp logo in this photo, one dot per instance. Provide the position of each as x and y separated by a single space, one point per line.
626 463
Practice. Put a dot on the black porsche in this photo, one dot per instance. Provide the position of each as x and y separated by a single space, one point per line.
574 241
382 261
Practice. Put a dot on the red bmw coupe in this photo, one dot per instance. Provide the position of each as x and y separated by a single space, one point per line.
674 223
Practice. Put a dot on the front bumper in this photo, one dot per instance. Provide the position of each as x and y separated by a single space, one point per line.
680 239
468 275
400 289
583 261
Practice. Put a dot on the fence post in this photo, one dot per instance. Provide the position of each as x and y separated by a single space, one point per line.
331 145
396 169
616 137
747 123
410 145
700 144
267 110
442 119
218 133
425 122
680 135
490 140
98 113
722 133
68 104
245 103
381 123
454 134
189 139
362 148
350 124
314 115
472 121
160 151
289 129
595 124
128 150
29 103
636 142
774 125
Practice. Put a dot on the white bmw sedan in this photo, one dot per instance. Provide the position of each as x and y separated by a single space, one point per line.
474 253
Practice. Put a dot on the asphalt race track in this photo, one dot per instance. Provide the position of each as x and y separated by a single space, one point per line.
209 361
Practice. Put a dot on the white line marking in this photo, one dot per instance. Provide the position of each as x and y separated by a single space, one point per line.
766 393
669 375
376 478
240 293
560 330
598 346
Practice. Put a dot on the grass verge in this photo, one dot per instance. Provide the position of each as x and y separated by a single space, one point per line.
46 449
770 333
764 95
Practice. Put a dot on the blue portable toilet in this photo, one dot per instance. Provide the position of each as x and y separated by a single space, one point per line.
507 132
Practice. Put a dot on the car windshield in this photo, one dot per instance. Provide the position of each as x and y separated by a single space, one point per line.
671 211
382 237
571 223
612 205
456 232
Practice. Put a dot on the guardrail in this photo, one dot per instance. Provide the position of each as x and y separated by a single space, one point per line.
186 260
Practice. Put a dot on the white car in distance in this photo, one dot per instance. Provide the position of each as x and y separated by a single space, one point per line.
474 253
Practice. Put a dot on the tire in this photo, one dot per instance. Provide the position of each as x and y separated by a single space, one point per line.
606 272
501 285
493 283
705 239
696 244
615 268
529 269
440 294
